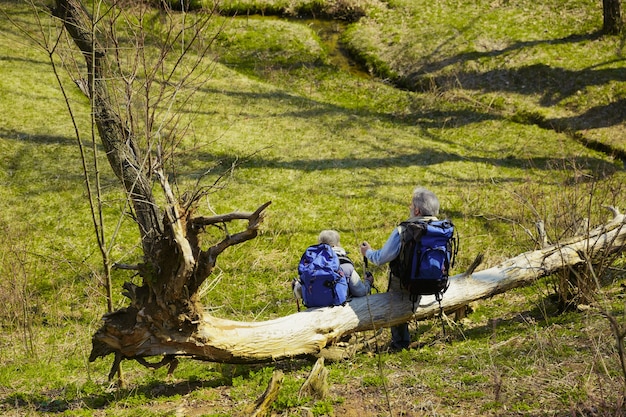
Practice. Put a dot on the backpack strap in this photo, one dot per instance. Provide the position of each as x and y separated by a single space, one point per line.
344 259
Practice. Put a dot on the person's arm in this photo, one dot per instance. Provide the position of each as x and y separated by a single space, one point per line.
387 253
358 288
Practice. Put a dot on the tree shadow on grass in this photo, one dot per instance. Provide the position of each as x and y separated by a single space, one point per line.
596 117
56 401
502 328
309 109
430 65
552 84
424 158
36 138
92 396
546 312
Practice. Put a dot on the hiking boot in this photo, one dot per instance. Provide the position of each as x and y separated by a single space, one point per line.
398 346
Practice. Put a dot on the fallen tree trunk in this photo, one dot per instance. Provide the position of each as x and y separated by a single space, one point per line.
309 331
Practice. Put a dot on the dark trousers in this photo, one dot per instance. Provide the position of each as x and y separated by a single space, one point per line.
400 336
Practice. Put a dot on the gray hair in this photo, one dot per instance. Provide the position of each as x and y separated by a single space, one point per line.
330 237
426 201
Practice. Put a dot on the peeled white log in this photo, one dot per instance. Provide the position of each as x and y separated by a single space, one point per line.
309 331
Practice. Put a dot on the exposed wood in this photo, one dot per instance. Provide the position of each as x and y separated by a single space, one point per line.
261 407
309 331
357 342
541 234
316 384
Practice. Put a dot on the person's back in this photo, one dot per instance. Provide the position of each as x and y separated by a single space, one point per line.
426 256
322 282
356 286
424 206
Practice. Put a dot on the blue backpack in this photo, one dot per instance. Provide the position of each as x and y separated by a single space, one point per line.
426 256
322 280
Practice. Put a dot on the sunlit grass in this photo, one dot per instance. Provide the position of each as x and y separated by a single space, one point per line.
330 150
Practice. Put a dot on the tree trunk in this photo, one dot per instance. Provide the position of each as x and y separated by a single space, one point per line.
309 331
612 17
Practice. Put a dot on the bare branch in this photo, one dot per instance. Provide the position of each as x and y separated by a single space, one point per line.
614 210
222 218
127 267
254 220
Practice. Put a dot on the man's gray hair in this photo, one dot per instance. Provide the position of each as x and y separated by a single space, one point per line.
426 201
330 237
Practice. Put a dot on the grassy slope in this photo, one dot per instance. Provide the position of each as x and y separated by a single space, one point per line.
545 59
332 150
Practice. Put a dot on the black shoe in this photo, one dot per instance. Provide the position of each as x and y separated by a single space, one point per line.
398 346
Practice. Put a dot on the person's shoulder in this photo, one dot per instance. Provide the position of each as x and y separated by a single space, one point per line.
340 251
420 219
423 219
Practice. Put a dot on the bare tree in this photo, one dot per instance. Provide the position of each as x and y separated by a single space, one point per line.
164 317
174 265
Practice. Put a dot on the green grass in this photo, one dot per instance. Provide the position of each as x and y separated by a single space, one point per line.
497 101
